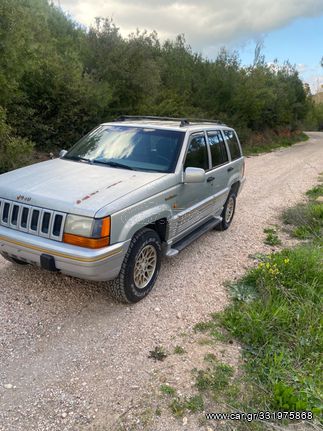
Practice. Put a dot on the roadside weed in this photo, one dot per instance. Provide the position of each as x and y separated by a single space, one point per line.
203 326
167 390
178 350
193 404
271 237
306 219
215 378
315 192
158 353
274 144
212 328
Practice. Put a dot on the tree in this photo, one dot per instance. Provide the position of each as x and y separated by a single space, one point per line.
14 151
58 79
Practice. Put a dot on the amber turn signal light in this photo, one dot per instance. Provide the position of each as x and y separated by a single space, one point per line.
105 229
82 241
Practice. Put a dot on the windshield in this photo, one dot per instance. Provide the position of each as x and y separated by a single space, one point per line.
128 147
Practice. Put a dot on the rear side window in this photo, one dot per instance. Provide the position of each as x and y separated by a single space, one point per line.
233 144
197 156
218 150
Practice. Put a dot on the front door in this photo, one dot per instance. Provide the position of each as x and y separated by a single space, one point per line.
195 202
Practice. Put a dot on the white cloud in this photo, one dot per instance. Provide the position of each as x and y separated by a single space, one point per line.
315 82
205 23
312 75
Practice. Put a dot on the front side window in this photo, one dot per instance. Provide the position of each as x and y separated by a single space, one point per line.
218 149
233 144
128 147
197 156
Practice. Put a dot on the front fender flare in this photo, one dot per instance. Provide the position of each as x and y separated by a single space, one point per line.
131 220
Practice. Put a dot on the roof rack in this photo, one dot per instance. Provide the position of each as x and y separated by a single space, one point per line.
183 121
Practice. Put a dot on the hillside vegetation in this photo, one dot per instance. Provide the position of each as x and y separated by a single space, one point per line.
58 80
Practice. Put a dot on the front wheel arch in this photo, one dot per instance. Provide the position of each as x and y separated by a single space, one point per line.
124 287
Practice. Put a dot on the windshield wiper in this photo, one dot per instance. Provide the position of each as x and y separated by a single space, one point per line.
113 164
78 158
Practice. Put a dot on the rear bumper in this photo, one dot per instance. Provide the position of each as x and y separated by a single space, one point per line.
98 265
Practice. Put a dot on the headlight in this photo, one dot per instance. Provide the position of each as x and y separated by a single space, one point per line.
77 225
86 231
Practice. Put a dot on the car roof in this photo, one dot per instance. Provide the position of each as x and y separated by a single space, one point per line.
170 125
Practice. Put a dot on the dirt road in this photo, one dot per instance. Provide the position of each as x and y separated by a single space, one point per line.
73 359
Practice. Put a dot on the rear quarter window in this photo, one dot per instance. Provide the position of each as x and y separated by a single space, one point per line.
233 144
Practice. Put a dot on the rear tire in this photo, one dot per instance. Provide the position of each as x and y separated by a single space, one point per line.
139 269
228 212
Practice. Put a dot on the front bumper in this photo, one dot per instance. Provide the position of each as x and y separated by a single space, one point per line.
98 265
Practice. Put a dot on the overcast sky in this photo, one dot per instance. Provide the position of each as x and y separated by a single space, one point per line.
209 24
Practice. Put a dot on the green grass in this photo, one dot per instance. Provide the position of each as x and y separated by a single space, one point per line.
211 327
210 357
180 405
315 192
192 404
203 326
178 350
306 219
277 315
167 390
274 144
272 237
214 378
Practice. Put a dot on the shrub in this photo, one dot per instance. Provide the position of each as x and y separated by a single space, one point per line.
15 151
306 219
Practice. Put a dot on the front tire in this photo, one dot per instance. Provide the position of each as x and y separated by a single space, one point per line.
139 269
228 212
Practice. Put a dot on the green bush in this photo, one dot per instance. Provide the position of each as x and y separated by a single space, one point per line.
306 219
314 117
14 151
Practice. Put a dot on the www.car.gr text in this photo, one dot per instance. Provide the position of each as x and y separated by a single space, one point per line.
261 416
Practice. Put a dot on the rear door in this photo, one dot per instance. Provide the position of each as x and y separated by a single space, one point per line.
236 163
220 169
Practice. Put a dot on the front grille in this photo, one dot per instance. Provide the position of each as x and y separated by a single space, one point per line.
30 219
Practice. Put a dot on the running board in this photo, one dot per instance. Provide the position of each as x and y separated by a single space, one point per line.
187 240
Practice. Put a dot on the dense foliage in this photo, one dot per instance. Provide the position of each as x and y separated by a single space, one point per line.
314 117
15 151
58 80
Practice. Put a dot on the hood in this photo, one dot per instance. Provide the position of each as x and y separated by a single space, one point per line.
72 187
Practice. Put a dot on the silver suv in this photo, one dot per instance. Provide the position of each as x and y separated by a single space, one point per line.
127 193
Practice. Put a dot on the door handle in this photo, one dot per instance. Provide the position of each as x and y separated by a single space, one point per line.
230 169
210 179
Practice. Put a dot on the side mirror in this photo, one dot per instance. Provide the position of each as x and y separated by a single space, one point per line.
194 175
62 153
